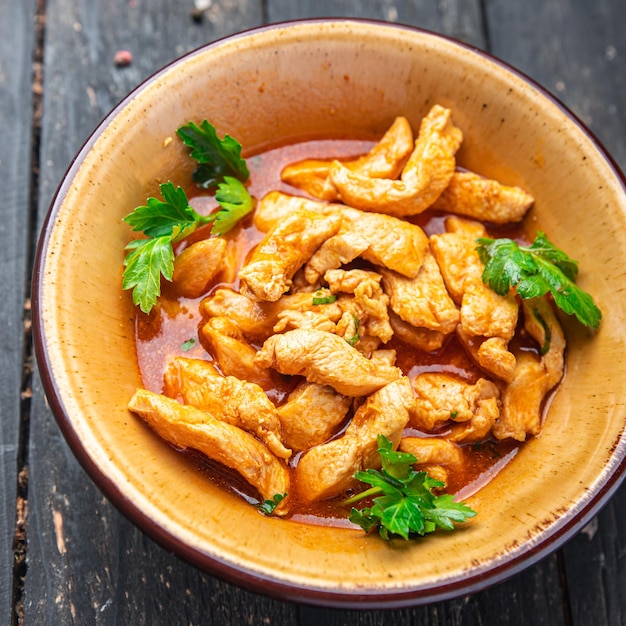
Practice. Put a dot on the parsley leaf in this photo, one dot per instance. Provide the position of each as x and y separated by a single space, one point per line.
267 506
235 203
164 222
145 263
534 271
217 158
406 506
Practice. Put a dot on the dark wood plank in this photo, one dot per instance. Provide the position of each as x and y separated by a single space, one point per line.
86 563
459 19
16 70
576 53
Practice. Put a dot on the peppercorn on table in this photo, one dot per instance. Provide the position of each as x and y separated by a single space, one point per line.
68 556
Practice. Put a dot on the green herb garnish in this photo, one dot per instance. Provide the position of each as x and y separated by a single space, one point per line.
267 506
217 158
187 345
320 298
167 221
164 222
235 203
534 271
407 506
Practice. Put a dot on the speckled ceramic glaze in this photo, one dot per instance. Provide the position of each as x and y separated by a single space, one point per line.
323 79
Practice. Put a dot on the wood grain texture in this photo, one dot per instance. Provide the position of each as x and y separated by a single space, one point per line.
86 563
16 70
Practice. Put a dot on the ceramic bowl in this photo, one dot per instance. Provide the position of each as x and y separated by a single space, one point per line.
324 79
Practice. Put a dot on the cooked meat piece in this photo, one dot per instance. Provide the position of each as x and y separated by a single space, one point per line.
291 319
256 319
392 242
533 378
441 398
522 400
484 314
327 470
432 451
385 160
368 307
483 199
326 359
480 425
197 265
283 250
384 356
334 253
491 354
419 338
235 356
422 301
312 414
190 428
276 206
238 402
543 326
426 174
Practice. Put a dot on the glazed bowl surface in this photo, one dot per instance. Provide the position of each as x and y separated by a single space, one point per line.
330 78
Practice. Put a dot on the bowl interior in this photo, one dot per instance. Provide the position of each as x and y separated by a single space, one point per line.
324 79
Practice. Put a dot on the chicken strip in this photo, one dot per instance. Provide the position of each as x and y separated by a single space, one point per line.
325 358
419 338
441 398
422 301
312 414
334 253
369 305
197 265
234 354
256 319
283 250
492 354
534 377
432 451
426 174
391 242
328 470
483 313
483 199
386 159
238 402
189 428
291 319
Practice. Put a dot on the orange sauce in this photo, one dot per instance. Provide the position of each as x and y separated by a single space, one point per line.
172 329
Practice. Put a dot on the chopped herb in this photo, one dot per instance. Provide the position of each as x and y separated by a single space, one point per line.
407 506
453 415
534 271
217 158
187 345
267 506
321 298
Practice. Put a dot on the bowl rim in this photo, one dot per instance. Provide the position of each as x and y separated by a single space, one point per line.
561 532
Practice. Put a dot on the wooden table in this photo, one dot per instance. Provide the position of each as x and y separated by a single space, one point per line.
69 557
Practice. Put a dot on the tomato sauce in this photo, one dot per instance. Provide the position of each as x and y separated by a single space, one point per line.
172 329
